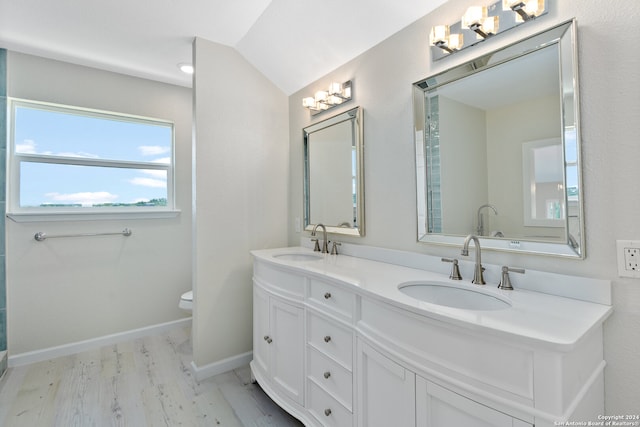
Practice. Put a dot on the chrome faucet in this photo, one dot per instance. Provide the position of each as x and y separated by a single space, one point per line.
478 279
480 228
325 243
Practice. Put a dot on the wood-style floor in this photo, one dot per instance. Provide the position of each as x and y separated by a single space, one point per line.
145 382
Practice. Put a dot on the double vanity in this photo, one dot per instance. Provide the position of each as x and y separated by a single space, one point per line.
347 341
377 337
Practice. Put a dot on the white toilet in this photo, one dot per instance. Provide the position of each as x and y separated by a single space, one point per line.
186 301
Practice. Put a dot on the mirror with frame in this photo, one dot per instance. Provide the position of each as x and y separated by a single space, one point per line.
498 149
333 174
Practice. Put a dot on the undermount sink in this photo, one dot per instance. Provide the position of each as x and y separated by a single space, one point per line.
298 257
452 296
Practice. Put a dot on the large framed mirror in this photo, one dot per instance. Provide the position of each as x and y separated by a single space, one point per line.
498 149
333 174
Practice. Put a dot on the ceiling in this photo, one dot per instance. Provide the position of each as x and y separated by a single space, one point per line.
531 76
292 42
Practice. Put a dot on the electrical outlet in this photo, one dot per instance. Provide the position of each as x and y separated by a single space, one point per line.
631 259
628 258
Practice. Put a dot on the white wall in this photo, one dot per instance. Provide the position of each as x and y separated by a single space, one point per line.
241 155
469 156
67 290
610 90
332 201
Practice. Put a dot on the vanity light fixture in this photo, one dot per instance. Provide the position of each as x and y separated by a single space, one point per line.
441 37
337 94
526 10
477 20
482 22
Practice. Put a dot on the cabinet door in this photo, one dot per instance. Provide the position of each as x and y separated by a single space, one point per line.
287 348
261 330
438 407
386 391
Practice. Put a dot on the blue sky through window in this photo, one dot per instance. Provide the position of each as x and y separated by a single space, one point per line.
92 137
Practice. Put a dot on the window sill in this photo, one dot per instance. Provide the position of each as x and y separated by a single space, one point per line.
89 216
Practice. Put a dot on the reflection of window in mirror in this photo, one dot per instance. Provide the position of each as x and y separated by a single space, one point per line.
354 183
571 161
543 183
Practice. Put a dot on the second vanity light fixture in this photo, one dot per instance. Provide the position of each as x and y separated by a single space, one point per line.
482 22
337 94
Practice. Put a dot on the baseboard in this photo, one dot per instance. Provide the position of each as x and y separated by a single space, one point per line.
3 363
77 347
222 366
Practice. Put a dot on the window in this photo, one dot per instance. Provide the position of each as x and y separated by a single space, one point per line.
70 160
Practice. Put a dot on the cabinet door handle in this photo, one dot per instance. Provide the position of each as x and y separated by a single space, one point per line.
327 295
268 339
327 374
327 412
327 338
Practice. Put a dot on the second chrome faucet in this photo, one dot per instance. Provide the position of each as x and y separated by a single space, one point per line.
478 277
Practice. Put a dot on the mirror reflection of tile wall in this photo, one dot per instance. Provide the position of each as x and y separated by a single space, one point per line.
434 195
3 167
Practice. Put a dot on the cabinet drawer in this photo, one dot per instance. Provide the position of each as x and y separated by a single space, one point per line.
335 299
328 411
331 339
332 377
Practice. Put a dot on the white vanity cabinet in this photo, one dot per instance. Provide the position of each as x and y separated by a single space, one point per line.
336 344
278 338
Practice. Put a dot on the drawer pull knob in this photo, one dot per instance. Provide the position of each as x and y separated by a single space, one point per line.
327 374
266 337
327 412
327 338
327 295
269 341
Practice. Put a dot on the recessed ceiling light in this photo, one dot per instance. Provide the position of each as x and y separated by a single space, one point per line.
186 68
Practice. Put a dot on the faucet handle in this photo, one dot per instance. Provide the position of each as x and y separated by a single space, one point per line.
316 248
334 248
455 270
505 281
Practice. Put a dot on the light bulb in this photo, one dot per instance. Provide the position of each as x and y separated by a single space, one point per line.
321 96
439 33
474 15
335 89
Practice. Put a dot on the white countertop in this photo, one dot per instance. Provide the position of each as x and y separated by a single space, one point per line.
533 318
